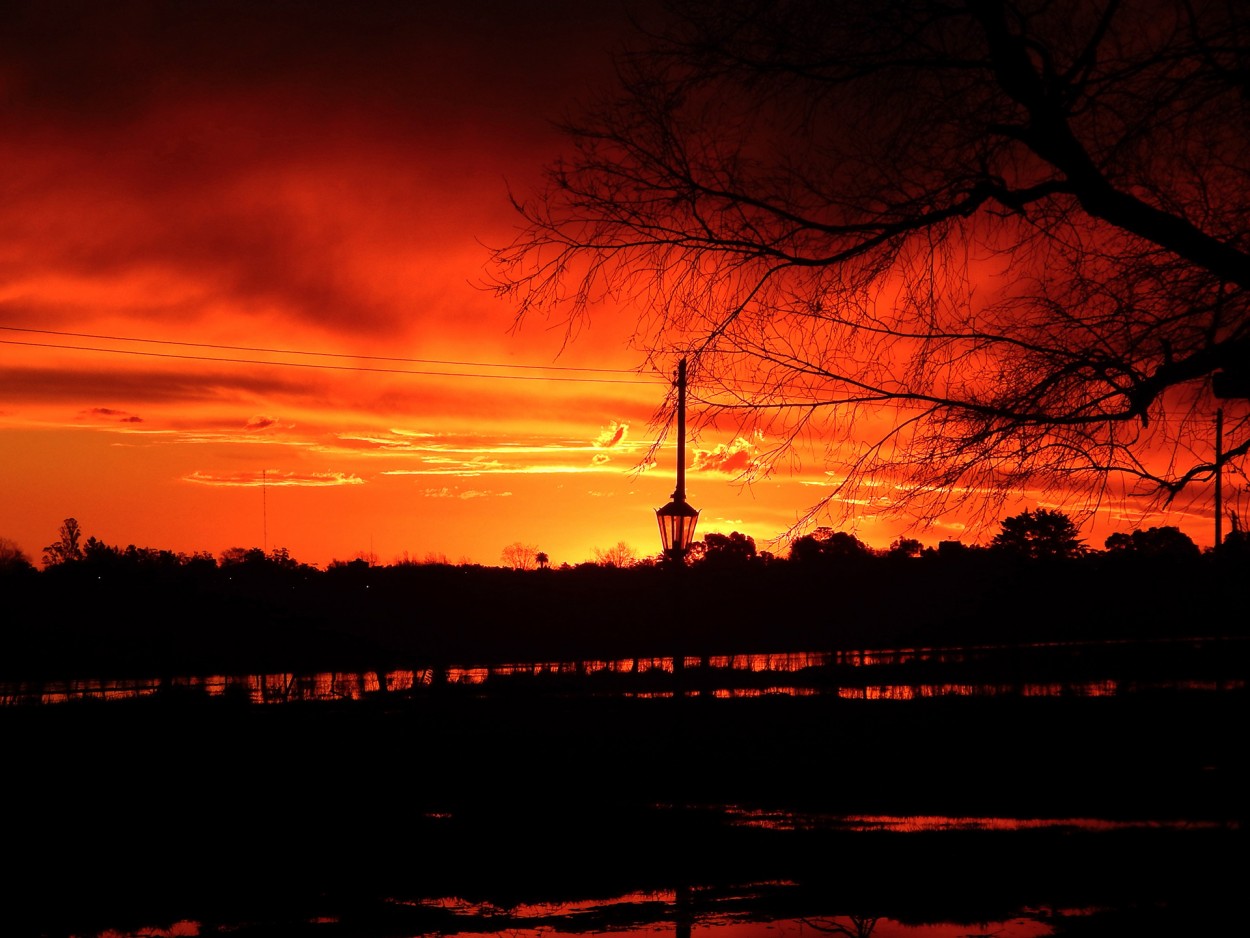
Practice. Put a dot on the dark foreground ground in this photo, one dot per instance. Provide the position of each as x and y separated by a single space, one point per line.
306 819
335 819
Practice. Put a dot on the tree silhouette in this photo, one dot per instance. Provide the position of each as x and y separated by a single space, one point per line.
520 556
13 559
825 544
619 555
65 549
1167 541
1020 227
1039 534
905 547
727 549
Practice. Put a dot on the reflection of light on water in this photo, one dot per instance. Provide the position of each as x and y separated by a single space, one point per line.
177 930
725 915
910 824
546 909
787 662
733 693
283 688
482 918
884 675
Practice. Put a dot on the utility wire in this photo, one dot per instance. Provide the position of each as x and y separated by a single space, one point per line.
638 380
358 368
280 351
323 367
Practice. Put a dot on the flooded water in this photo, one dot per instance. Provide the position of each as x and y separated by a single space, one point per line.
1052 670
668 913
750 909
1063 790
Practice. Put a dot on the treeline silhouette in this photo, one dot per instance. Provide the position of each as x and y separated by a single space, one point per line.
104 611
594 776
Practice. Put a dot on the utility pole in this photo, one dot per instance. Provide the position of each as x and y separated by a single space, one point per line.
1219 476
680 493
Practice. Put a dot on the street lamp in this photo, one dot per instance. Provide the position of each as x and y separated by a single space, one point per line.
1229 383
677 519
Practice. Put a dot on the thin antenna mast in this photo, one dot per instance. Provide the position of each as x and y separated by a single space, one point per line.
680 493
1219 475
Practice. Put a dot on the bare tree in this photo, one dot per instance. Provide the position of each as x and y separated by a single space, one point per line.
520 556
969 245
619 555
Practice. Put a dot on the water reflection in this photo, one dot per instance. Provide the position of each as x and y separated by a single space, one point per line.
912 824
1095 669
880 893
679 912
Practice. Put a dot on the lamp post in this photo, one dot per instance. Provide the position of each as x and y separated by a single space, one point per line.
677 519
1229 383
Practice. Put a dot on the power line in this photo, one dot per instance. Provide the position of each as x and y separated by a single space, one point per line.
638 380
356 368
282 351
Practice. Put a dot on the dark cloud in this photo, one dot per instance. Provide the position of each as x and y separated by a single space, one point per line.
58 385
323 161
102 62
121 416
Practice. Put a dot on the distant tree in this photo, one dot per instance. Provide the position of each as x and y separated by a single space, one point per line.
728 549
520 556
827 544
65 549
1236 545
199 560
954 550
233 556
281 557
356 566
1037 534
542 560
620 555
97 552
1167 541
13 559
905 547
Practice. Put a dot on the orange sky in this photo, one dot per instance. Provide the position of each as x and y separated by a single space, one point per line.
267 223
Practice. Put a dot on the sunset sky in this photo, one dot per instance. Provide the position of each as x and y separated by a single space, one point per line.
243 248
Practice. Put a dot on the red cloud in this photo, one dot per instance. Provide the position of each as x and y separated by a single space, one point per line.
733 458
